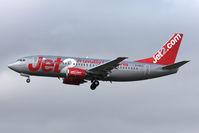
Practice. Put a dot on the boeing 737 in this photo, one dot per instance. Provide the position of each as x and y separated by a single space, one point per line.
76 71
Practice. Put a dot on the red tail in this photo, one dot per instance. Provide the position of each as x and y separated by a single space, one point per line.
167 54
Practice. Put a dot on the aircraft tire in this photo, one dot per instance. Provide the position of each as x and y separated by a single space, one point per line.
96 83
93 86
28 80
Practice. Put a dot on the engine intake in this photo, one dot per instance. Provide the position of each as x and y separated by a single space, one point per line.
76 73
74 76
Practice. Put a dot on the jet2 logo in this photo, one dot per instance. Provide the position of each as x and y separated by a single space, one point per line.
46 65
166 48
70 63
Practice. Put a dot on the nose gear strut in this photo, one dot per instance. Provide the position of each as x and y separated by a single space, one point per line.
26 75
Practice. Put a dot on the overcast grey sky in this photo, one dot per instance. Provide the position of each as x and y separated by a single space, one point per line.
98 29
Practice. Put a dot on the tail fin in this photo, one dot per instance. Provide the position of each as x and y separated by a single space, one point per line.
167 54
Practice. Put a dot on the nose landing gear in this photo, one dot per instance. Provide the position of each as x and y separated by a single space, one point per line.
26 75
94 84
28 80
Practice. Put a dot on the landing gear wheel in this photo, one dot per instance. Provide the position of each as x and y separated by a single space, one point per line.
93 87
28 80
94 84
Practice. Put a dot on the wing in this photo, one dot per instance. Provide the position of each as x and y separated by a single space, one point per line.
104 69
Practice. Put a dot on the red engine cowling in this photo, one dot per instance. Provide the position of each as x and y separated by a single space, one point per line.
72 81
76 73
74 76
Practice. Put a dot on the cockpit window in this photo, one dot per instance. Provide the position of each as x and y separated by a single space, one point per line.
21 60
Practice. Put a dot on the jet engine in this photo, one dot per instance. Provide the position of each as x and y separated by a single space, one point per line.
76 73
74 76
72 81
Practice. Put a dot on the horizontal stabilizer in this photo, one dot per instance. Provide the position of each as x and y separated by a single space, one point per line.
175 66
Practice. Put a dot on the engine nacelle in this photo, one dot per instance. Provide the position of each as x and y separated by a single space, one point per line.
76 73
72 81
74 76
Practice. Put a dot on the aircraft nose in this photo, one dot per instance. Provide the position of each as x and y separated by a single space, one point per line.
15 66
12 66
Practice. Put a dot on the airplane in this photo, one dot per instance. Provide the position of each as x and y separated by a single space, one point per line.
76 71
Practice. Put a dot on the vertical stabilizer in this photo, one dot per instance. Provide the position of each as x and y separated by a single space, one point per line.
167 54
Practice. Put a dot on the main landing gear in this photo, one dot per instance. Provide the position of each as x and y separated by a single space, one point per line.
94 84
